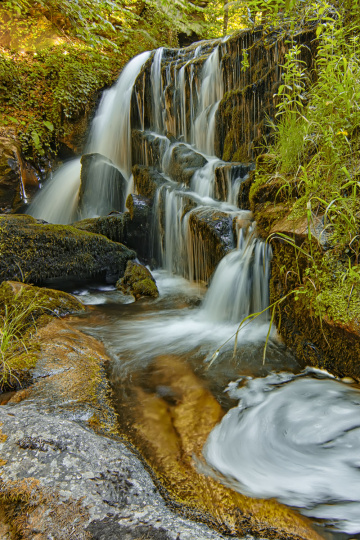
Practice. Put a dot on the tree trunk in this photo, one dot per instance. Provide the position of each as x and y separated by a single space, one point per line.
226 17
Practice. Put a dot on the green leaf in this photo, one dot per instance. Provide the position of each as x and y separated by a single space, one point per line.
49 125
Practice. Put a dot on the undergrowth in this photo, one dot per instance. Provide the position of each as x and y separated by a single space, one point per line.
315 162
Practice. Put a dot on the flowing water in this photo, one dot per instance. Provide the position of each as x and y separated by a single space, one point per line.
294 434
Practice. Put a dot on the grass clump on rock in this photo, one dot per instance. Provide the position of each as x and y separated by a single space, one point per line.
23 310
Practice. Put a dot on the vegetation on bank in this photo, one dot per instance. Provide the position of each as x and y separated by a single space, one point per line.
56 55
314 163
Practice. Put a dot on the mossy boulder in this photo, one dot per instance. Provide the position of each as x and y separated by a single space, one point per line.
32 251
147 180
131 228
138 281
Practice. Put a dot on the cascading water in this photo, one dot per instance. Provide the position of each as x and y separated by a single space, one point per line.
240 283
110 136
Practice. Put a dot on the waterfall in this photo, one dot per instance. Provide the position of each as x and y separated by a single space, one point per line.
240 283
186 87
110 136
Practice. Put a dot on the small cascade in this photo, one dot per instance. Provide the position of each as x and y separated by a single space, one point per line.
211 92
110 133
57 201
110 136
240 284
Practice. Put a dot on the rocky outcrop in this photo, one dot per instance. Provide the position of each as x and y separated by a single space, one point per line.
249 99
18 179
147 180
138 281
131 228
35 252
212 238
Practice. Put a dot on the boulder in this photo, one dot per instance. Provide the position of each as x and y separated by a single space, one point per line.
211 233
138 281
35 252
183 162
147 180
131 228
102 187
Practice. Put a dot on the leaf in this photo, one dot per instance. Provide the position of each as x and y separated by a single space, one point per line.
49 125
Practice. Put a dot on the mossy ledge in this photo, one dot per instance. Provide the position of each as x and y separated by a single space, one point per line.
34 252
320 320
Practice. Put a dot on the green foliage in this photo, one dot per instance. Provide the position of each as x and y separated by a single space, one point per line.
316 153
18 350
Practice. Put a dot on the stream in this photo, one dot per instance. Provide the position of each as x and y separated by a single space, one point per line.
288 432
276 429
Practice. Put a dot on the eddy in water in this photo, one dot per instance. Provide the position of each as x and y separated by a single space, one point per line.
296 438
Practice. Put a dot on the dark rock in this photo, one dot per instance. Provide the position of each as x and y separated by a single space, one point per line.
211 233
147 180
102 188
183 163
130 228
34 252
229 177
148 148
138 281
18 179
114 226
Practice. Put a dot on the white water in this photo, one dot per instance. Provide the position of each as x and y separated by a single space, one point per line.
57 201
296 438
240 283
110 135
211 92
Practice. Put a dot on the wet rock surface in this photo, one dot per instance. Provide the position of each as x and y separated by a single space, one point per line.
183 163
34 252
107 489
147 180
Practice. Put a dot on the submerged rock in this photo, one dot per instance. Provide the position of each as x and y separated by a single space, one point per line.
34 252
138 281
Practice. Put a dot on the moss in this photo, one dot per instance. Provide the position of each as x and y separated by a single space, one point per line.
23 310
138 281
25 505
33 252
321 321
